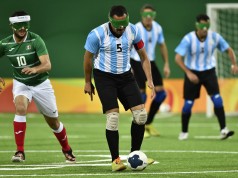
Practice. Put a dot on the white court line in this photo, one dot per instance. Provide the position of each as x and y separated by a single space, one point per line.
6 137
126 151
43 167
207 137
121 174
36 168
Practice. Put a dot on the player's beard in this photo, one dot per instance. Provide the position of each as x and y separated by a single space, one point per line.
17 35
147 23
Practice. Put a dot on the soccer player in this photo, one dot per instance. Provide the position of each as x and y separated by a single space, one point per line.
109 47
31 63
197 47
152 34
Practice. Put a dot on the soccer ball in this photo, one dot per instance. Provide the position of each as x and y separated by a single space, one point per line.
164 108
137 161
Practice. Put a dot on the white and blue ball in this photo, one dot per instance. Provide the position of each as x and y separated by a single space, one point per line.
137 161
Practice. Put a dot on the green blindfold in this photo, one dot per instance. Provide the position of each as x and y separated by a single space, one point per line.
202 26
119 23
151 14
20 25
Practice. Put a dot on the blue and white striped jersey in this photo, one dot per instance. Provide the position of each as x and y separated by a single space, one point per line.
112 54
150 39
199 55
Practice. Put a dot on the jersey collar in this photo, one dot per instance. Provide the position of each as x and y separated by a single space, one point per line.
23 40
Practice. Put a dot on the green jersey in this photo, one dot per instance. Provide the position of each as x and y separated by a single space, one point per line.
25 54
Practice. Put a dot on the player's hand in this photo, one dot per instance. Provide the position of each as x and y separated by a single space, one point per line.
166 71
29 70
90 89
192 77
234 69
152 87
2 84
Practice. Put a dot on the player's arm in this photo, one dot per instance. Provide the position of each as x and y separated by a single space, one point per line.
232 56
91 46
192 77
45 66
88 67
3 84
147 68
2 53
165 56
42 53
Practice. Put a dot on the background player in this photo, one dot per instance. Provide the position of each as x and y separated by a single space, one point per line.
109 46
152 34
30 61
197 47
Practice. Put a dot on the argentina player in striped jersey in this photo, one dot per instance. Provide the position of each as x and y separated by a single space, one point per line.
31 63
152 35
108 50
197 49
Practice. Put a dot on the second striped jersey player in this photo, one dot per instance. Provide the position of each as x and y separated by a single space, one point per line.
195 56
152 35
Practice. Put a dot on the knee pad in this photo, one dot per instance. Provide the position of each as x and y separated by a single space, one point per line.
112 121
139 116
160 96
217 101
188 104
143 96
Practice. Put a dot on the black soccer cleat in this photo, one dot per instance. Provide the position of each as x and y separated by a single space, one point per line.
19 156
69 157
227 135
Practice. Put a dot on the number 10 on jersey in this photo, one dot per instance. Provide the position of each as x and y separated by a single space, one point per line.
21 60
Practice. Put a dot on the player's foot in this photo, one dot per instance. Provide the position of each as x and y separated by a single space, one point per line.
19 156
69 157
152 130
225 133
117 165
183 136
150 161
146 134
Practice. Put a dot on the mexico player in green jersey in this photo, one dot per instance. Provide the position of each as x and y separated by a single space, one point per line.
30 63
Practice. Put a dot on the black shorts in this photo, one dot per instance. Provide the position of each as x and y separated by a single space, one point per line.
111 87
140 74
207 78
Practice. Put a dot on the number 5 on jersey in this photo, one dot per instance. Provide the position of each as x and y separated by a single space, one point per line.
119 48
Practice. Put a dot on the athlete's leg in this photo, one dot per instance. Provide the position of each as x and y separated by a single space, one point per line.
219 110
154 107
155 104
61 135
191 91
59 131
106 85
212 87
186 114
112 134
22 98
138 126
21 104
46 103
